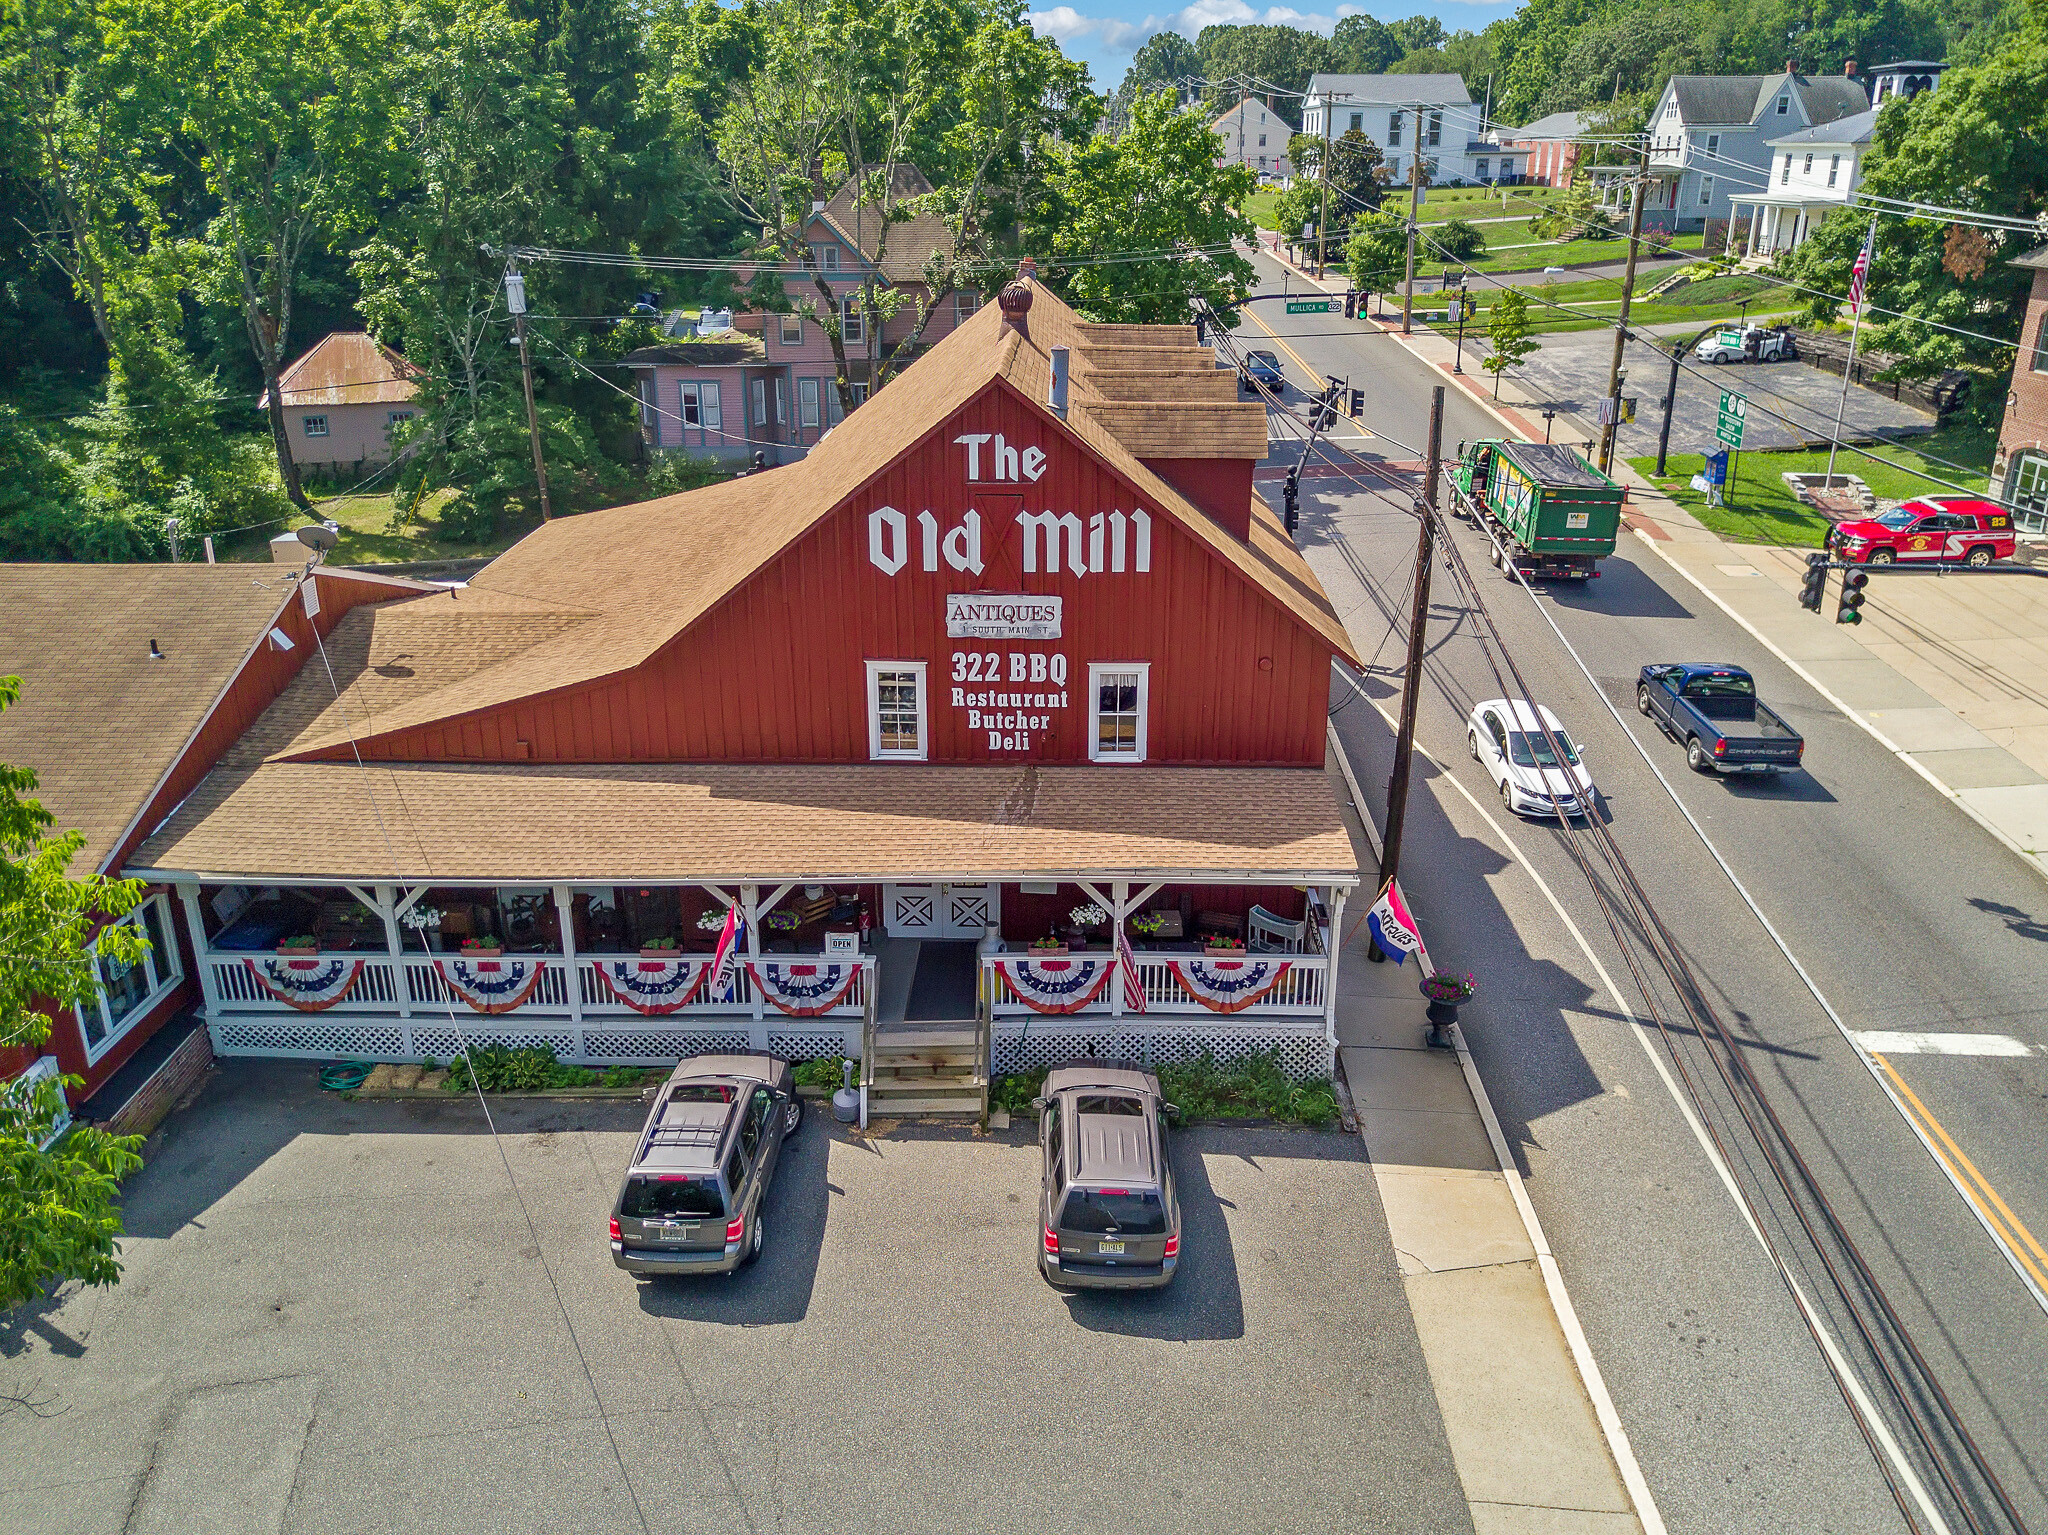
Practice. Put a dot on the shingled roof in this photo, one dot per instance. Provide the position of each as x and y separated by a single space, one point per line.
911 242
626 581
1733 100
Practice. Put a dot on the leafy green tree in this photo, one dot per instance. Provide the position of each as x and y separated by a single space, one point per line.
1457 239
58 1216
1161 64
1378 253
1507 335
1156 189
1980 142
1363 46
281 109
1417 33
1265 58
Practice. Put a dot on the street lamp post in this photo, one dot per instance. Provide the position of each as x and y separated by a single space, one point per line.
1464 308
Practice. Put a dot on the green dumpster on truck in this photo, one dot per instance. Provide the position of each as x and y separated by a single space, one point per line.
1547 512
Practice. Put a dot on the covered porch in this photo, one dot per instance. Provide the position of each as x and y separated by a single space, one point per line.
1778 221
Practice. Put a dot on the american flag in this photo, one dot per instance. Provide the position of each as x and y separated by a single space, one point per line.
1127 961
1862 269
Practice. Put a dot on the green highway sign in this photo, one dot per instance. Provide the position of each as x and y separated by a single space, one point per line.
1311 305
1734 412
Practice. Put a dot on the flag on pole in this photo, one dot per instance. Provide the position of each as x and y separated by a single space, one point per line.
1393 929
1862 269
1127 961
725 960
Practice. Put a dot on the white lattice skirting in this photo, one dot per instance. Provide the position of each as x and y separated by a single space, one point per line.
1304 1049
326 1036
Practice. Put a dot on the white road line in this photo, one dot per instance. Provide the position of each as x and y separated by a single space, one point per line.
1879 1430
1886 1042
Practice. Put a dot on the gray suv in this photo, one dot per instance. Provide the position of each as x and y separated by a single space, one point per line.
1106 1211
691 1201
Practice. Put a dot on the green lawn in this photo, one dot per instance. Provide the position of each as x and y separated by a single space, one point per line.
368 537
1762 510
1700 304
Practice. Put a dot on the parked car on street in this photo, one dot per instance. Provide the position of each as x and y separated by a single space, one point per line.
1954 530
691 1200
1714 710
1107 1217
1750 343
1262 368
1506 738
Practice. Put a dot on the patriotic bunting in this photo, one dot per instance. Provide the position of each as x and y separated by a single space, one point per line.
653 987
803 991
491 985
311 985
1228 985
1056 985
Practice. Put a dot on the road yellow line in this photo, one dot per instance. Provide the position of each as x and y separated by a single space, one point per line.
2019 1239
1302 363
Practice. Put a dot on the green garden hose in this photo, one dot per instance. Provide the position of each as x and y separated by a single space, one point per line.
345 1076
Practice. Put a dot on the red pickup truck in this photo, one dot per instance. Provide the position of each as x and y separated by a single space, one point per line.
1954 530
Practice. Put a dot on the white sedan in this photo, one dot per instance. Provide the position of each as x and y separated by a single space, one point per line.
1506 739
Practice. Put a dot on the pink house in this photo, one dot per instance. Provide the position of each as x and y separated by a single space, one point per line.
341 400
768 384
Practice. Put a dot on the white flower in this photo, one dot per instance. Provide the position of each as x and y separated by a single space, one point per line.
421 919
712 921
1087 916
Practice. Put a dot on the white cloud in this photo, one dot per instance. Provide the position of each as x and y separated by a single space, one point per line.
1064 23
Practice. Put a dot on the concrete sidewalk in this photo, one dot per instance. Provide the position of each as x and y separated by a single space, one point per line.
1536 1442
1949 674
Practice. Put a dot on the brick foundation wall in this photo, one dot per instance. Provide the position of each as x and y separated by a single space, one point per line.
180 1073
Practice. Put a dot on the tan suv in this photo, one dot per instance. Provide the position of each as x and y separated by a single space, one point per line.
1106 1211
691 1201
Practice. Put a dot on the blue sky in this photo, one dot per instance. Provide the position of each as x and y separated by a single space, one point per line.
1103 34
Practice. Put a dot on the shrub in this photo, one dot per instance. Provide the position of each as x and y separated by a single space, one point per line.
826 1071
1458 239
501 1069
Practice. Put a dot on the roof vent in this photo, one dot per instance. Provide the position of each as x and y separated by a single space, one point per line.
1056 393
1015 302
157 655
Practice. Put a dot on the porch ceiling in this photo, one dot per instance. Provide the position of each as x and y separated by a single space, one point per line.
518 824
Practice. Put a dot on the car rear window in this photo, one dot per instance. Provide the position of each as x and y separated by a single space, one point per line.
672 1198
701 1092
1119 1104
1720 685
1137 1212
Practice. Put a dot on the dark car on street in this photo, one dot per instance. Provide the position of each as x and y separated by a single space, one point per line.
1107 1215
1262 368
691 1200
1713 710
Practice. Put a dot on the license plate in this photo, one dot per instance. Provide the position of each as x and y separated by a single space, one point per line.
674 1233
1109 1247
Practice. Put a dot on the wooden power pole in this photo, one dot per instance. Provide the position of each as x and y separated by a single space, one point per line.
1628 282
1411 680
515 300
1414 212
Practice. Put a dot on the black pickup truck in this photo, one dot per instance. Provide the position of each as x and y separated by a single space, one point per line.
1715 712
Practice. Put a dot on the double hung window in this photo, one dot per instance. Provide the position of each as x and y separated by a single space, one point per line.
792 330
807 402
853 324
1117 693
896 711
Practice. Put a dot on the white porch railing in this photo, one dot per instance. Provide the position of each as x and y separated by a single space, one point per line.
1302 990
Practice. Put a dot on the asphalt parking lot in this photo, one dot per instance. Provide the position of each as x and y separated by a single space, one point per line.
340 1317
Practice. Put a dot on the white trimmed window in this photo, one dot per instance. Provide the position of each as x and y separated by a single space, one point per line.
128 992
1706 190
1117 695
313 426
964 304
1713 143
807 402
853 325
792 330
760 402
1834 168
896 711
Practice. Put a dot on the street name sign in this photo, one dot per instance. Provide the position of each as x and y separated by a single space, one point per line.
1311 305
1734 412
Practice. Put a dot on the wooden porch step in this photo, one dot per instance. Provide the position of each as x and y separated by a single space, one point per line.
966 1104
968 1060
914 1038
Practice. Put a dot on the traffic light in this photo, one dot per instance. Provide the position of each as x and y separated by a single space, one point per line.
1814 591
1324 415
1846 610
1351 306
1357 402
1292 493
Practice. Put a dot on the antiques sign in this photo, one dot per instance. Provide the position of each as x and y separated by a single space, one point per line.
974 617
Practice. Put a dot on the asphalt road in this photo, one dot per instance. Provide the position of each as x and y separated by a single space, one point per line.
1907 917
341 1316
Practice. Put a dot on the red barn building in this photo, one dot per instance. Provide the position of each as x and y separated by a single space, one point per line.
1016 641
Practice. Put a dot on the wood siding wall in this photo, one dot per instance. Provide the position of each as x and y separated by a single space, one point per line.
776 672
1222 487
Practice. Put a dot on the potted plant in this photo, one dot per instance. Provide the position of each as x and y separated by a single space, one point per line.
1222 946
305 943
780 920
1149 924
482 946
713 921
1446 993
1049 944
1085 917
660 948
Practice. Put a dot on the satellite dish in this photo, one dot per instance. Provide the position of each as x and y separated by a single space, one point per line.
316 536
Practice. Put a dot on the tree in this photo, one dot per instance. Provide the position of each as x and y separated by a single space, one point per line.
1363 46
1507 335
1417 33
1161 64
281 110
1157 190
1263 58
1378 252
58 1218
1457 239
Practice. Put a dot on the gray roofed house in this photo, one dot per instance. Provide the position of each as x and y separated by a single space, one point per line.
1382 107
1809 174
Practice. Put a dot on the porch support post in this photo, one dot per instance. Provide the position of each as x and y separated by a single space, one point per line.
1120 894
1333 949
394 944
565 913
188 897
750 907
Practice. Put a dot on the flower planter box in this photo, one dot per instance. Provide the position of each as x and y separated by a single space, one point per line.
1214 952
648 952
1045 951
481 953
298 948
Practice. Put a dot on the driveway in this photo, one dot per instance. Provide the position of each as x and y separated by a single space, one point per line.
1570 374
341 1316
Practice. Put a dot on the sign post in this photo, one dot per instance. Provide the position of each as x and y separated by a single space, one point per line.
1728 428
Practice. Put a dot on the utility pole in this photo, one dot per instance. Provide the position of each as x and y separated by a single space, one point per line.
1628 282
515 300
1411 681
1414 210
1323 223
1670 402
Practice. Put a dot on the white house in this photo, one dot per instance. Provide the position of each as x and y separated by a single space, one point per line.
1252 134
1382 107
1812 173
1710 139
